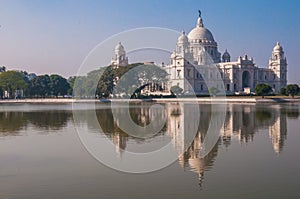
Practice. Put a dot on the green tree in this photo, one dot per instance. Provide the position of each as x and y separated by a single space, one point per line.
40 86
58 85
213 91
12 81
283 91
176 90
292 89
263 89
139 76
106 82
1 93
71 81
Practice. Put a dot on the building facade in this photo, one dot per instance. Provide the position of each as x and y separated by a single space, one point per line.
196 65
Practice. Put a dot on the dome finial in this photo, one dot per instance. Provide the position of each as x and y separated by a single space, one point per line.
199 21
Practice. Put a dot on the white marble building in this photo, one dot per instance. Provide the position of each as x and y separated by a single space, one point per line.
196 65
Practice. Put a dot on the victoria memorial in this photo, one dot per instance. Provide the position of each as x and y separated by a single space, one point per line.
196 65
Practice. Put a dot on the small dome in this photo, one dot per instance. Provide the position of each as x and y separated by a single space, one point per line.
226 54
183 38
119 48
277 47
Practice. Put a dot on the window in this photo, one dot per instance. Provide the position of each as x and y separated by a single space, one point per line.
235 87
188 72
228 87
265 77
201 87
274 76
178 73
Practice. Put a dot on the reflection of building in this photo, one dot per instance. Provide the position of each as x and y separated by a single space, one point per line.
278 131
241 123
120 142
188 132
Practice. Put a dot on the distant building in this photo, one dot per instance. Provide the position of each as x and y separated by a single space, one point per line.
119 58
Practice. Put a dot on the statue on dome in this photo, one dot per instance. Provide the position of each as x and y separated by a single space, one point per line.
199 11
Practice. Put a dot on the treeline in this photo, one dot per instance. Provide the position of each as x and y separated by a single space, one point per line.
126 81
20 84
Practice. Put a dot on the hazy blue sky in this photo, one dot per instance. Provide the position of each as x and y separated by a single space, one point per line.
55 36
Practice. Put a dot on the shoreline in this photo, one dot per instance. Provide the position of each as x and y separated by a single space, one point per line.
241 100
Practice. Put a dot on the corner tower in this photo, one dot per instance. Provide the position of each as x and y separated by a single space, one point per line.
278 65
119 58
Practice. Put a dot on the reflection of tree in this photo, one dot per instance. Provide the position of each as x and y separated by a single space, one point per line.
11 123
50 120
291 111
140 114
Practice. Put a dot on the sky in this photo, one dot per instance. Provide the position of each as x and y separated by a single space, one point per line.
47 37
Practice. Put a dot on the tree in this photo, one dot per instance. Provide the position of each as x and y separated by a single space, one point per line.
139 76
283 91
71 81
106 82
12 81
1 93
213 91
58 85
292 89
263 89
40 86
176 90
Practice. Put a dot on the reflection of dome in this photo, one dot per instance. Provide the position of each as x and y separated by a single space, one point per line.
200 33
183 38
277 47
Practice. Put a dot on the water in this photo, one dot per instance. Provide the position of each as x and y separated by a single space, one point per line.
256 154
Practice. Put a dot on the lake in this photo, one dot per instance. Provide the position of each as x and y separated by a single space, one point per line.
64 151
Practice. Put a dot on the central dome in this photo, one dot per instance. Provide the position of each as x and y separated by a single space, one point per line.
200 33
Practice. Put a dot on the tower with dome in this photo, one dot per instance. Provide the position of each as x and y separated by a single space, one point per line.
119 58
